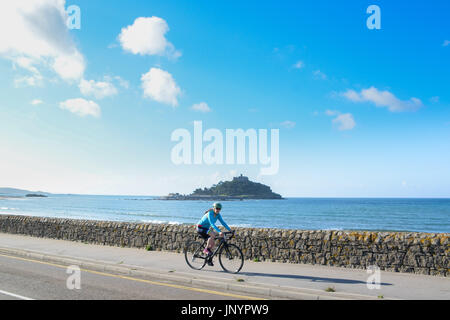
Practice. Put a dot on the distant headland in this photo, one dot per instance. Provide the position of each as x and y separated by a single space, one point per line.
240 188
20 193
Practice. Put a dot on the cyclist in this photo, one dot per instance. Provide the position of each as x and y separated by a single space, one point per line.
207 228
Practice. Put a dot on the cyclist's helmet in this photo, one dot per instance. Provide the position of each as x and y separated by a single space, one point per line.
217 205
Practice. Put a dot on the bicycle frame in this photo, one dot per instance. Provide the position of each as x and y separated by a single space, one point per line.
222 242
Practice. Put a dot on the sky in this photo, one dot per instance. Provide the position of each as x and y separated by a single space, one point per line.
90 97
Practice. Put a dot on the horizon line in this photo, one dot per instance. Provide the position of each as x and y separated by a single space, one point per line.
284 197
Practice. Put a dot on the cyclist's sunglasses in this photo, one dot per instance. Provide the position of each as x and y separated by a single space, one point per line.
218 209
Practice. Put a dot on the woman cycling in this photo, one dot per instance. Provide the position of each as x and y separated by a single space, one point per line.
206 227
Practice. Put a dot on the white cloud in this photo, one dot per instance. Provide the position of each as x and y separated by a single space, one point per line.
123 83
383 99
99 90
118 80
353 96
160 86
299 65
201 107
28 81
34 35
434 99
81 107
146 36
69 67
319 75
26 63
331 112
33 79
288 124
344 122
36 102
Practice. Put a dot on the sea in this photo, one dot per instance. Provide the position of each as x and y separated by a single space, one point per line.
371 214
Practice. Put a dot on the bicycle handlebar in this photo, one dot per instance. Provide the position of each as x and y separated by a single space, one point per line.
228 233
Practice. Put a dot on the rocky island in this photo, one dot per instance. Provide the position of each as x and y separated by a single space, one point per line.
240 188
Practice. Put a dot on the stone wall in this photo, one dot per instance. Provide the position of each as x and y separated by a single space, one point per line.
424 253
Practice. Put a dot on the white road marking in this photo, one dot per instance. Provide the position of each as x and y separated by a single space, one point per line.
14 295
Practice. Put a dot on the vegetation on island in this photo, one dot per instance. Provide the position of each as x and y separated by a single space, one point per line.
239 188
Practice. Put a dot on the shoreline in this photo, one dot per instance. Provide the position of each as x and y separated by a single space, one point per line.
187 224
423 215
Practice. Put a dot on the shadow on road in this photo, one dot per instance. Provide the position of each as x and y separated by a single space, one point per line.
311 278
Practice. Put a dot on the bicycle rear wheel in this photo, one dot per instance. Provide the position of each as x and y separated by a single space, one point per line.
193 253
231 258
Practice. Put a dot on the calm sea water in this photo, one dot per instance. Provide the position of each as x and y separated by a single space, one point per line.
423 215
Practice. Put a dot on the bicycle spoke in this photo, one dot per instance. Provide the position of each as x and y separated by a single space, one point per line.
231 258
194 255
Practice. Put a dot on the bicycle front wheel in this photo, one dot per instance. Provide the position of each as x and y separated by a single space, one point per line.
231 258
193 253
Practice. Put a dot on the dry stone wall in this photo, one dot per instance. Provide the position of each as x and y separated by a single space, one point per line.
423 253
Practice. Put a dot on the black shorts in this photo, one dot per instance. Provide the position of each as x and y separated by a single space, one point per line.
203 232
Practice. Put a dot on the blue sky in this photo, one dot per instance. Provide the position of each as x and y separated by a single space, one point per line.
361 113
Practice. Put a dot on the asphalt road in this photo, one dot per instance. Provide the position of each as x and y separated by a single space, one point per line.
24 279
273 279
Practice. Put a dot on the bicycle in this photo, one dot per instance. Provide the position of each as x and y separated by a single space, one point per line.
230 256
